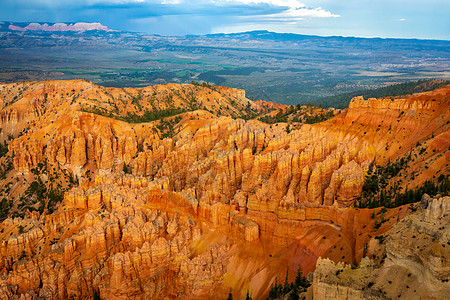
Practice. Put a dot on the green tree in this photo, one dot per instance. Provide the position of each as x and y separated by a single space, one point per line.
248 296
300 280
230 295
273 291
287 286
125 168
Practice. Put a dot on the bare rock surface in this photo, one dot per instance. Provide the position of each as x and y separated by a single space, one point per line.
415 264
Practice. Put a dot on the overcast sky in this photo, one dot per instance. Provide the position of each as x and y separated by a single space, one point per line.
365 18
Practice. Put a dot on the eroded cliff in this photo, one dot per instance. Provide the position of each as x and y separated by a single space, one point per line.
194 201
415 261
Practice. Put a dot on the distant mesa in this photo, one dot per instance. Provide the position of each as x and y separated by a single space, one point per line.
80 26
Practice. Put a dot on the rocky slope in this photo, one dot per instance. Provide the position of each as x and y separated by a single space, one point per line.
415 261
174 195
23 103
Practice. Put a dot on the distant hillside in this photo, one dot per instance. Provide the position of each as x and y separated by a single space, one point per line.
277 67
336 40
407 88
53 27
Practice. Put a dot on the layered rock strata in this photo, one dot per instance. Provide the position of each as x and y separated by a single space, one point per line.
415 264
222 203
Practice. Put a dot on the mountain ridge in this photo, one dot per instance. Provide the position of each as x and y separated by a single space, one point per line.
86 26
54 27
299 36
267 66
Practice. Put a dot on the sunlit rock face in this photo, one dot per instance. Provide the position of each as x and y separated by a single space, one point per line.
79 26
220 203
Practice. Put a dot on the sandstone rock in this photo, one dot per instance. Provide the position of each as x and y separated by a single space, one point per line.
426 199
416 266
78 157
223 203
437 208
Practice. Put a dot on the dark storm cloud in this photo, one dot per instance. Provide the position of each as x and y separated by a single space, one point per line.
385 18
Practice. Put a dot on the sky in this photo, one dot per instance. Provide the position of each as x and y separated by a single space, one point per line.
428 19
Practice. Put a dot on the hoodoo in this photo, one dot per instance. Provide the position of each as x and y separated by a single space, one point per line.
180 190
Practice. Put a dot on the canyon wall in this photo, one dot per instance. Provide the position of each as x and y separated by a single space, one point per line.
222 203
415 264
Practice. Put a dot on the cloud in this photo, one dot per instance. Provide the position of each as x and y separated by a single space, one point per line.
291 9
288 3
402 20
171 2
299 13
271 8
182 16
274 8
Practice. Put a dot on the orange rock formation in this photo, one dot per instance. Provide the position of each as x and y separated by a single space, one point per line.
223 203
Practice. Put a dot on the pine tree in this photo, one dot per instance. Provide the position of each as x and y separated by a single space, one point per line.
230 295
300 281
288 129
294 293
273 292
286 286
248 296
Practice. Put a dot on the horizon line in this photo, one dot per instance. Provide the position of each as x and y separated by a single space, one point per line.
239 32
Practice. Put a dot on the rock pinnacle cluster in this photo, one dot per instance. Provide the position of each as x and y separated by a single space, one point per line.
180 191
